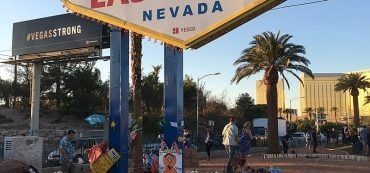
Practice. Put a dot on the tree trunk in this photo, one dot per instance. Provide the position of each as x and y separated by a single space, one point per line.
270 81
356 111
58 89
136 54
335 116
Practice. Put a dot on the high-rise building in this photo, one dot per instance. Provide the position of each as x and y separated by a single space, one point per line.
261 93
319 94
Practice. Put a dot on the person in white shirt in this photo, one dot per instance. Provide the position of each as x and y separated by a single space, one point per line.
230 136
307 137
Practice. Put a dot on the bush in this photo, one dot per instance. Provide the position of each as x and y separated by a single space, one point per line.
329 125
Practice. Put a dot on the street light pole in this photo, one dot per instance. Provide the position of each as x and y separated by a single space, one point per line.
290 106
317 120
200 78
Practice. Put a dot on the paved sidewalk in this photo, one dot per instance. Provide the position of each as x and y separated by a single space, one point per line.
297 165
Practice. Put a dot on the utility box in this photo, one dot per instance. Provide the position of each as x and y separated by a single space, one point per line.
27 149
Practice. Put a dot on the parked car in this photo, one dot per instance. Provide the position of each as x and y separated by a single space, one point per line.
298 138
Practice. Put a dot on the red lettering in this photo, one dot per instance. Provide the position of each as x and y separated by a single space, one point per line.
97 4
124 2
110 2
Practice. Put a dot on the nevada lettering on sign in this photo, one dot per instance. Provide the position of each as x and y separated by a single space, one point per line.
181 23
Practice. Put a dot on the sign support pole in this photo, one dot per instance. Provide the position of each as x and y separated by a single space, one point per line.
173 94
118 97
35 102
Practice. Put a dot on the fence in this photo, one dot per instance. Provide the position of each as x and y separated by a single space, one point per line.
51 151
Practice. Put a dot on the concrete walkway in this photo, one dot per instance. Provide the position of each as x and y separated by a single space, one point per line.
298 165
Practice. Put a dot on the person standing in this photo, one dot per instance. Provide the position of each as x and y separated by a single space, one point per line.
230 136
208 142
314 141
244 142
328 137
187 136
333 137
368 140
308 139
67 151
285 143
364 133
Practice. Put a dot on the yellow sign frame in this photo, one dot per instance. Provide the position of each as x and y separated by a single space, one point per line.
214 31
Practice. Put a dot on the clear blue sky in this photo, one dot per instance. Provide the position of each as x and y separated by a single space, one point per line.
336 35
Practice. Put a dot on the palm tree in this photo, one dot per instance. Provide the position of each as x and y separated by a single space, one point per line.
288 112
292 111
352 83
309 112
320 113
285 111
274 55
280 110
367 100
136 55
335 113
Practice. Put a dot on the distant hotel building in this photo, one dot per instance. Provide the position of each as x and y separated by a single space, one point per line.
319 92
261 93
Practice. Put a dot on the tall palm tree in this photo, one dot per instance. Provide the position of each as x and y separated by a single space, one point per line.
309 112
352 83
274 55
334 109
136 55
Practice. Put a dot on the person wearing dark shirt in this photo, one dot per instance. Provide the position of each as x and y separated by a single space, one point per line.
284 141
314 141
328 137
208 142
187 136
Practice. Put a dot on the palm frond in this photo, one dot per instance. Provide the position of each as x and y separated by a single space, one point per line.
352 81
243 71
285 79
295 75
274 54
367 100
301 68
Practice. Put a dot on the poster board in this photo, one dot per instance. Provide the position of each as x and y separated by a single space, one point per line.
170 161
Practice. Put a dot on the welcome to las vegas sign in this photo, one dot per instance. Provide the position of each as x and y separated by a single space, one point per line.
181 23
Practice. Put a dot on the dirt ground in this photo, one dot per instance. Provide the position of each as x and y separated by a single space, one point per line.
11 119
